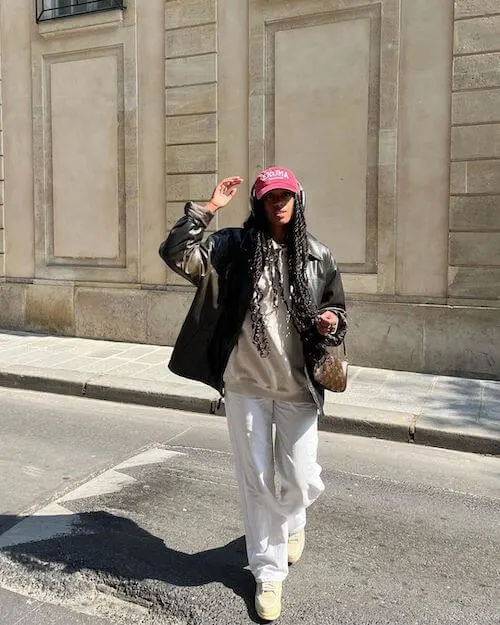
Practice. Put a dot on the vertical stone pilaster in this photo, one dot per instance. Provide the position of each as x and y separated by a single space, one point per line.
474 260
191 104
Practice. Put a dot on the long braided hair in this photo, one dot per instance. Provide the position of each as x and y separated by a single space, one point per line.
300 306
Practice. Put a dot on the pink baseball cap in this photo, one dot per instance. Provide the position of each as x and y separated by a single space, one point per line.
275 178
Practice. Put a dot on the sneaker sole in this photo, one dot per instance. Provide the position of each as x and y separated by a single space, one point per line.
268 616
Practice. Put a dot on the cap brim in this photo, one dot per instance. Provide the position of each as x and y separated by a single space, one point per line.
276 184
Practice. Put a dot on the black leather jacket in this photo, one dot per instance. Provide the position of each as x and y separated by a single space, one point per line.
219 268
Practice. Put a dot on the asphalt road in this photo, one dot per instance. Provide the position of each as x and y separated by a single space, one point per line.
112 513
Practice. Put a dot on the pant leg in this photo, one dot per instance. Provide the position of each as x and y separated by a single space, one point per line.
250 424
296 459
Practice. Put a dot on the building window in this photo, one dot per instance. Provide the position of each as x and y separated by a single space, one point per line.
53 9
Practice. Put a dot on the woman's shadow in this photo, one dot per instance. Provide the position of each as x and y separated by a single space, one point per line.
121 552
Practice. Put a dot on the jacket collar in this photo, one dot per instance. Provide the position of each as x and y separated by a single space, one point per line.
314 251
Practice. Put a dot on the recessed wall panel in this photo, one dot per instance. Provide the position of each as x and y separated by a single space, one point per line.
321 125
86 158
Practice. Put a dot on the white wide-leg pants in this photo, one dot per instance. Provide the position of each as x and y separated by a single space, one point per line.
270 514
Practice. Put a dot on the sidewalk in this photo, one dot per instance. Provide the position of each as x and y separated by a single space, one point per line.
454 413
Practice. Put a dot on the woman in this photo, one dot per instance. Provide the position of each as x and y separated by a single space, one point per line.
267 294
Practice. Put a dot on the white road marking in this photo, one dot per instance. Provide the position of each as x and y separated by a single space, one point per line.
104 484
152 456
54 520
32 471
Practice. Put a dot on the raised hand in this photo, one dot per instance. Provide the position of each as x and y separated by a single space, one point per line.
224 193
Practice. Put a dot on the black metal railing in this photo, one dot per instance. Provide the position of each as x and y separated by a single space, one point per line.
54 9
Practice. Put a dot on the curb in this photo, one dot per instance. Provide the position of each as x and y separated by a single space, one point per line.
338 418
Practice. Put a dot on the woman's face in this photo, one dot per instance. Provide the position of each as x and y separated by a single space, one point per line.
278 207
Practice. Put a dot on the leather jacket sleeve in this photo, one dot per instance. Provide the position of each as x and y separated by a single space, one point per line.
333 299
184 250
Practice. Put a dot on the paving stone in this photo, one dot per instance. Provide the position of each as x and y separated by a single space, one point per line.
155 358
105 352
137 351
102 366
131 369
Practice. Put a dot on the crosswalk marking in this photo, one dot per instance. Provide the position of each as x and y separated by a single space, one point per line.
55 521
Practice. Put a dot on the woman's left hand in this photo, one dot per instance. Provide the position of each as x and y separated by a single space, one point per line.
326 322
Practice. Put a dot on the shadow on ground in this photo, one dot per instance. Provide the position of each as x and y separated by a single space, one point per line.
115 552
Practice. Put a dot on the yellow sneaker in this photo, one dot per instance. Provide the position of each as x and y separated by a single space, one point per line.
296 544
268 600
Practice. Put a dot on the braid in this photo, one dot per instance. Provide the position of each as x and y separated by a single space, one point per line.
257 264
301 308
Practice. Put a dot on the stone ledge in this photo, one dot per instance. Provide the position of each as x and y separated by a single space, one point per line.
87 22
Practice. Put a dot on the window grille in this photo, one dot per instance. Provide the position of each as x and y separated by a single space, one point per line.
54 9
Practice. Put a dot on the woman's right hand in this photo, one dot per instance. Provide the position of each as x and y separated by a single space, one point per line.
223 193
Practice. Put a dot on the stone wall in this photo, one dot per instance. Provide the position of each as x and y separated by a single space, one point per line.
113 120
474 258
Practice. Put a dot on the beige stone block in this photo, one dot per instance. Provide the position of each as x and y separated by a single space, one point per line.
192 129
195 187
166 312
463 341
471 107
49 308
2 192
475 249
112 314
425 338
191 70
2 244
470 142
192 40
174 279
472 8
192 100
483 177
458 178
385 335
179 13
2 265
175 210
474 283
477 35
470 213
476 71
12 305
192 158
1 217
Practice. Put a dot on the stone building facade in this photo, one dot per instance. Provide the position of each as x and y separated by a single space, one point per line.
388 110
